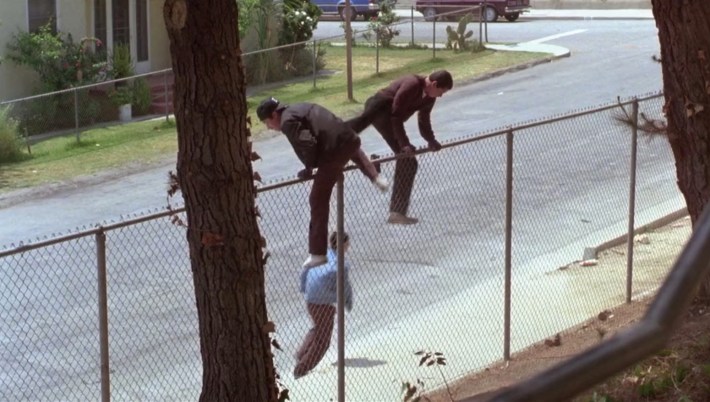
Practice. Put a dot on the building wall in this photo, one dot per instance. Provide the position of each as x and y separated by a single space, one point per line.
159 43
14 81
74 17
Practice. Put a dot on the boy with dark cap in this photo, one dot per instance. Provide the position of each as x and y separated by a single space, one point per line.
320 140
387 111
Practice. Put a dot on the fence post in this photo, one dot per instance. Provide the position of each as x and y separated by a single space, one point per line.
485 7
76 114
165 95
103 315
349 49
433 38
27 142
377 51
508 243
480 25
632 200
315 62
411 21
341 292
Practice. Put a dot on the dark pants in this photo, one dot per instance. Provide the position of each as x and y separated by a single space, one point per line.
317 341
330 169
377 112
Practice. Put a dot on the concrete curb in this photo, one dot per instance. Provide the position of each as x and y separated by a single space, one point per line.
557 14
514 68
580 17
592 252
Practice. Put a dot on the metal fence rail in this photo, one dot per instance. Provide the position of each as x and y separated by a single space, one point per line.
500 211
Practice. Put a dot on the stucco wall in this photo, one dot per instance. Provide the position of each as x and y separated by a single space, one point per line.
13 80
159 42
72 17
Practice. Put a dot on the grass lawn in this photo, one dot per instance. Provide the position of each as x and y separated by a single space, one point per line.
63 158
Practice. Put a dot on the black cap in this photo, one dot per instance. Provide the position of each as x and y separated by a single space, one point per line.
266 108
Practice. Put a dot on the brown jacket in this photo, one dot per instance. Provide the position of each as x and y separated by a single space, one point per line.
314 132
407 96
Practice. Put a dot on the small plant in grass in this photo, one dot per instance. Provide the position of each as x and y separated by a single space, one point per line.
383 26
122 96
10 141
141 97
456 39
414 392
121 62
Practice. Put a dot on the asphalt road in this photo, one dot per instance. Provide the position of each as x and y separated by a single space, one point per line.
571 189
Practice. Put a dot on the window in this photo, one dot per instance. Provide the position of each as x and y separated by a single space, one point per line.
121 22
100 20
142 30
41 12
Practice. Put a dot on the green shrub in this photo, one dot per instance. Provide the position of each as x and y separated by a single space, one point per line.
141 97
456 39
300 19
246 8
60 62
121 62
383 25
10 141
122 95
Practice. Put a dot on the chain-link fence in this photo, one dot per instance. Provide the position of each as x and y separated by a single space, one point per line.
475 279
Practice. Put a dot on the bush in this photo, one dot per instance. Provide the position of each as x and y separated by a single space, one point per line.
121 62
123 95
10 141
141 97
383 24
60 62
458 39
265 31
300 19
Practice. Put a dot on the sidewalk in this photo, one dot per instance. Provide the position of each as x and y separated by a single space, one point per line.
623 14
563 14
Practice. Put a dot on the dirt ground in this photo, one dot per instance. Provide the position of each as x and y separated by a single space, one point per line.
659 246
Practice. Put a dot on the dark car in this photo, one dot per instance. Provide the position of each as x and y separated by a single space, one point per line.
492 9
365 8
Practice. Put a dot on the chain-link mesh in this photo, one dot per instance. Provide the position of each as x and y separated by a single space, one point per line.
436 286
49 329
150 282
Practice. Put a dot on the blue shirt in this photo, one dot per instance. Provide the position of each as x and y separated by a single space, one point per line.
320 283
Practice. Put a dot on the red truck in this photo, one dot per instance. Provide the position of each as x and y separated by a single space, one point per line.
453 9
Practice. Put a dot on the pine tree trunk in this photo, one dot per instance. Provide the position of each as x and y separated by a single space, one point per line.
684 33
215 175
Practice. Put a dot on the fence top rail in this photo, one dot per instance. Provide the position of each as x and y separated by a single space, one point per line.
83 87
284 183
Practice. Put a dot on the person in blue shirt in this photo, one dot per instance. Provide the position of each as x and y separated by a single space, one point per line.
319 286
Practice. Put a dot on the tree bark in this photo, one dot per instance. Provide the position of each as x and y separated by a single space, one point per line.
216 178
684 34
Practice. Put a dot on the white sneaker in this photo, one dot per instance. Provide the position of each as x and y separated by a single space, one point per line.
314 260
381 183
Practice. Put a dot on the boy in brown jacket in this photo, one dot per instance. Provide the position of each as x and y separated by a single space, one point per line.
387 111
321 140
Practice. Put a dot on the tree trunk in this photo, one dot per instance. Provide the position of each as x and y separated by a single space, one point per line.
215 175
684 34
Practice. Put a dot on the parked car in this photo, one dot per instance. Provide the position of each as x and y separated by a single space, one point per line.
366 8
510 9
